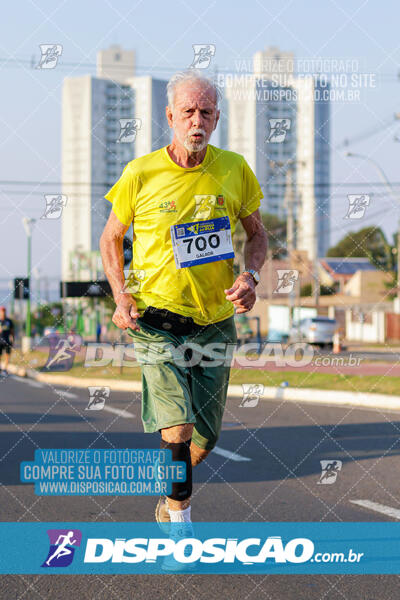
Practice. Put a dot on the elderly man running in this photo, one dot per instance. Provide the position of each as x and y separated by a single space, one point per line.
184 201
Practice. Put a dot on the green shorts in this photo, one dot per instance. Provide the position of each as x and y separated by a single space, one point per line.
185 378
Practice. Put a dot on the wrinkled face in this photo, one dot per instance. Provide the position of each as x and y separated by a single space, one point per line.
194 115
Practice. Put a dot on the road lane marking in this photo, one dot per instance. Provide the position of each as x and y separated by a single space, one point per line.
65 393
117 411
381 508
31 382
231 455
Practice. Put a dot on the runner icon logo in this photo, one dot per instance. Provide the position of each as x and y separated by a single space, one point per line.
128 130
54 206
330 470
358 204
278 130
50 55
63 543
203 54
251 394
286 280
97 397
62 350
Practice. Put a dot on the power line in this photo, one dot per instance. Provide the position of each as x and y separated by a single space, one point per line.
35 59
274 183
370 133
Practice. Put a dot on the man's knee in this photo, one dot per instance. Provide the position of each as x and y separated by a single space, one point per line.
197 454
177 433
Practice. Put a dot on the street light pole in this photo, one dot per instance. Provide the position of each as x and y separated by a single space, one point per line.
392 193
27 342
28 304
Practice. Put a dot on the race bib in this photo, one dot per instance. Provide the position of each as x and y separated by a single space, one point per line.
201 242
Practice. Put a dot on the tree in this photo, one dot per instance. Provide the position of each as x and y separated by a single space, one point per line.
324 290
369 242
48 315
276 231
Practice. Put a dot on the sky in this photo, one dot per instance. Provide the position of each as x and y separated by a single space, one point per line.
162 34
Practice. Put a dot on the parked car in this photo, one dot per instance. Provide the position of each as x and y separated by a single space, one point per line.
314 330
276 336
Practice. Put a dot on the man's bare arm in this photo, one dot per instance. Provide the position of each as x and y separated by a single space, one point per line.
112 254
242 293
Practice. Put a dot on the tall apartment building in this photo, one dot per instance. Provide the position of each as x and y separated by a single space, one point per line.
273 119
107 121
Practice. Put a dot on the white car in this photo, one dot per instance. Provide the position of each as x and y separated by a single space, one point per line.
314 330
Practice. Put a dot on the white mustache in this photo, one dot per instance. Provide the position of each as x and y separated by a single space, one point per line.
194 131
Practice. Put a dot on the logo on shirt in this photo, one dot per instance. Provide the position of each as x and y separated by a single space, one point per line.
167 206
220 201
204 206
133 280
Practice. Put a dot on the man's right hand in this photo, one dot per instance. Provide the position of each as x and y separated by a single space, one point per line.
126 313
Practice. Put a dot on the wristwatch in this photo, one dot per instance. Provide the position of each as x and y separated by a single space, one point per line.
255 275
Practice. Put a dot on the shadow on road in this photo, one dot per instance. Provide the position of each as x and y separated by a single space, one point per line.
276 453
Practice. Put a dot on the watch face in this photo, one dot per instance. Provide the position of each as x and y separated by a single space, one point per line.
254 274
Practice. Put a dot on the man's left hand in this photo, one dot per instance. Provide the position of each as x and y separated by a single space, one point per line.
242 293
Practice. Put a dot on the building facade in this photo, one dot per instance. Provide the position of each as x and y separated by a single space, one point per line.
107 121
280 123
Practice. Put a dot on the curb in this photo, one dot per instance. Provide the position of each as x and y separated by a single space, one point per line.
77 382
312 396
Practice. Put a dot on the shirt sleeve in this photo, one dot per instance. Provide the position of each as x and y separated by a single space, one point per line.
122 195
251 192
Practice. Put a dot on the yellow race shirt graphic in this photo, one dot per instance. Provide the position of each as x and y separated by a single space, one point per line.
223 185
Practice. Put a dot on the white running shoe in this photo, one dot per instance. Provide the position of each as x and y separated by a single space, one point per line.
162 515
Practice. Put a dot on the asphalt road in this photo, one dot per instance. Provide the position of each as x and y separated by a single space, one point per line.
284 443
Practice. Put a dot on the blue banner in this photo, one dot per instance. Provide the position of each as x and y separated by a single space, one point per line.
280 548
80 472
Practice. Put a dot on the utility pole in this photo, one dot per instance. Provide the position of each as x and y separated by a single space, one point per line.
27 341
289 199
316 290
398 265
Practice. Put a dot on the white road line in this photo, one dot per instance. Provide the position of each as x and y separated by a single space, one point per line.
31 382
381 508
65 393
231 455
117 411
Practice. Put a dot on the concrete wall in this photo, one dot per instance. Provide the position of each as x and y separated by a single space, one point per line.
369 285
370 328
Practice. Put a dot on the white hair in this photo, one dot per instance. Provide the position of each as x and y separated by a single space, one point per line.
192 75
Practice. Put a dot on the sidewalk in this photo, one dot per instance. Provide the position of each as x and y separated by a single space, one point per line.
337 362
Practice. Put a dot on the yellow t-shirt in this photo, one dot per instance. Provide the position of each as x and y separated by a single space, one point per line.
155 193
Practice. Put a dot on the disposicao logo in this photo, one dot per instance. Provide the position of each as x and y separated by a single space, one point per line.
63 543
190 550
